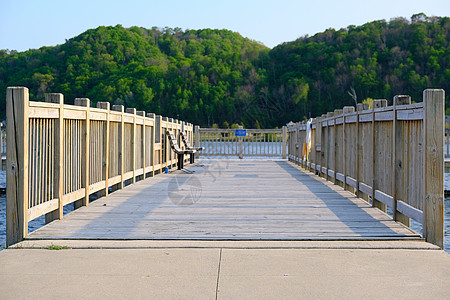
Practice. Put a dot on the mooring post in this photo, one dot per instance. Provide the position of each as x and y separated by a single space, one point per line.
433 170
17 103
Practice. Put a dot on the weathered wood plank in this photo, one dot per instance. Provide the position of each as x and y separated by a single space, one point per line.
17 101
433 171
218 201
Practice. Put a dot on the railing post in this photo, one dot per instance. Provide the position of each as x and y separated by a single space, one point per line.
133 142
152 142
158 138
433 169
299 149
284 143
303 127
58 176
105 147
378 103
329 141
323 149
359 108
17 103
1 144
142 144
337 113
318 146
241 146
164 142
346 110
398 150
197 139
85 155
121 143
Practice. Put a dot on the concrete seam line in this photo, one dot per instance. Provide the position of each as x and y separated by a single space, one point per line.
218 272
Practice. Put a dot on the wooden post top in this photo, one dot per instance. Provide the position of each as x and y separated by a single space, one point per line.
402 100
131 111
103 105
377 103
348 109
82 102
362 106
56 98
118 108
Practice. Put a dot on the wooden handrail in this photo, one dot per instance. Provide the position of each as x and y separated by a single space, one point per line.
59 154
390 155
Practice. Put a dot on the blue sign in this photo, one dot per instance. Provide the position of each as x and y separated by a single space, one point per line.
240 132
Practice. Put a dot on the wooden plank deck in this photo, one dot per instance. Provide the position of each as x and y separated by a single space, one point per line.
229 200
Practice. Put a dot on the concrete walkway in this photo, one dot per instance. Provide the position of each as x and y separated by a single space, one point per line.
225 270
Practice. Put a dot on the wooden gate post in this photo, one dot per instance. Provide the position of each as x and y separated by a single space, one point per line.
433 169
283 151
17 103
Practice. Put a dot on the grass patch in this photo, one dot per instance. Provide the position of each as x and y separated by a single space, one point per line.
57 247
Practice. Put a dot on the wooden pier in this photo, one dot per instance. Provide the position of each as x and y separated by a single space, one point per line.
366 159
230 200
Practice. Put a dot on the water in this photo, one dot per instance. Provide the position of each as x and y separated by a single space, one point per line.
32 225
250 149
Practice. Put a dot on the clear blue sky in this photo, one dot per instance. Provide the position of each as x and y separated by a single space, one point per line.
29 24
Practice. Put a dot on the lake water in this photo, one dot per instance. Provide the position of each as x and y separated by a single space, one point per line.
39 222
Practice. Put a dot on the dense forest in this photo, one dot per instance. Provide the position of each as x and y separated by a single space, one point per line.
218 78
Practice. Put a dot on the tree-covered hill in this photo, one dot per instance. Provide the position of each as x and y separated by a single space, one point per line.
378 60
217 76
198 75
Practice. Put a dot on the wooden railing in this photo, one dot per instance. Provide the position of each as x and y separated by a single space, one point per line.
255 142
391 155
59 154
